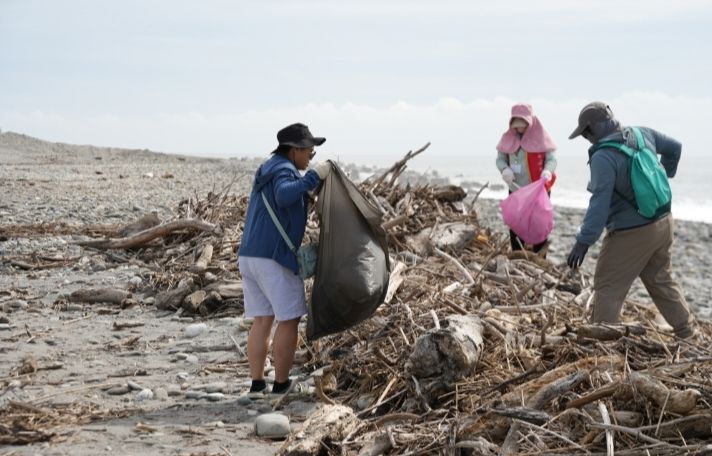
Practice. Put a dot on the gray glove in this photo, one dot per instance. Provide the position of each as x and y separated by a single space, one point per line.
322 169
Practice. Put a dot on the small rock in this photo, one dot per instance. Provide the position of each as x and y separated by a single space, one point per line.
134 386
192 359
74 307
18 304
218 387
264 408
174 390
195 330
181 355
272 426
194 394
161 394
144 395
135 281
215 397
215 424
244 400
182 376
149 301
119 390
4 319
5 327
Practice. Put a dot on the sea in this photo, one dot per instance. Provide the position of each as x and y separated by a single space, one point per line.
691 187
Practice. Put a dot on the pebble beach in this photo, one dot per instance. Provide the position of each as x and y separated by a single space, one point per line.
50 193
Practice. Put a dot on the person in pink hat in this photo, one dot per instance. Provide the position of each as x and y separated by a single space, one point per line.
525 153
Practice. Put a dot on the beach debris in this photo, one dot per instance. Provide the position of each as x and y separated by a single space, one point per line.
476 350
99 295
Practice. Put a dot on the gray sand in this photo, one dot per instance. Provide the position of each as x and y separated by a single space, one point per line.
42 182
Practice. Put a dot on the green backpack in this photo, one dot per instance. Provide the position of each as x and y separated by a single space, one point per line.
650 183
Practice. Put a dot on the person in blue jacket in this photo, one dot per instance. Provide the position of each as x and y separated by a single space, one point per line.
272 287
634 246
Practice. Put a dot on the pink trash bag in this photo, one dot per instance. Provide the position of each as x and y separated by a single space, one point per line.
529 213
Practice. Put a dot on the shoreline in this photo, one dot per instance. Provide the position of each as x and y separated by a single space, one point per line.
53 182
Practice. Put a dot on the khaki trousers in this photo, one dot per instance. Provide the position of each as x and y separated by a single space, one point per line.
639 252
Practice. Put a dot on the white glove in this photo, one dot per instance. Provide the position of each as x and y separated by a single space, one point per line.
546 175
322 169
508 175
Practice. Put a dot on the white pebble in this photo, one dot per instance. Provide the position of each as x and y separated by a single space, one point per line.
195 330
144 395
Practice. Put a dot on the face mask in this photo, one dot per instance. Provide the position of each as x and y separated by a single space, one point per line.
588 135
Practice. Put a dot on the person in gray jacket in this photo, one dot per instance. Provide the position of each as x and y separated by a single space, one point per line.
634 246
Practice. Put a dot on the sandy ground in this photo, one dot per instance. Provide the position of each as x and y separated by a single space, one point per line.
93 361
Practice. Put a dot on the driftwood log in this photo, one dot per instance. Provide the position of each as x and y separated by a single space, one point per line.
673 400
150 234
97 295
329 423
173 299
450 352
204 260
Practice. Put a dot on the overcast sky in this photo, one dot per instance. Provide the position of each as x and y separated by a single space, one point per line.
375 77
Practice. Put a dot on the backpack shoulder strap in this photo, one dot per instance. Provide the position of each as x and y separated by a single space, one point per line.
274 218
626 150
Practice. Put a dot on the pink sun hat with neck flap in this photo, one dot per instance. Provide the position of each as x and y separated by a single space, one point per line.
535 137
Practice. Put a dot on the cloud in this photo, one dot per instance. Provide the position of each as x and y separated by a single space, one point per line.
454 126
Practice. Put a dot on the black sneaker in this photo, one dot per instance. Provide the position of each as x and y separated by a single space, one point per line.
281 388
258 389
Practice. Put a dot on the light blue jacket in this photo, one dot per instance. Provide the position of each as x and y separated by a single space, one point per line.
611 204
287 192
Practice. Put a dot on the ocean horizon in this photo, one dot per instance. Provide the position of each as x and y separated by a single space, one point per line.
691 186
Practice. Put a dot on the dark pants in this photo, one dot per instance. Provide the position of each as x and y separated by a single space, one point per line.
517 243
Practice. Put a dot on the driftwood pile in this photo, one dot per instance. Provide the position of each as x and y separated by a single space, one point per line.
476 350
480 351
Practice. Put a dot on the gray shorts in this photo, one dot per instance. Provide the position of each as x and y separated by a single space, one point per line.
271 289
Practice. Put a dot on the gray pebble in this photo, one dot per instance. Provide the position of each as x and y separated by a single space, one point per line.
218 387
215 397
272 425
134 386
119 390
144 395
195 330
161 394
174 390
192 359
194 394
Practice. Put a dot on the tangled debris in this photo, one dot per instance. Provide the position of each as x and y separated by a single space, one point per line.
476 350
481 351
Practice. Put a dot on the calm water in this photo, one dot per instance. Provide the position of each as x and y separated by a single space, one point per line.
692 186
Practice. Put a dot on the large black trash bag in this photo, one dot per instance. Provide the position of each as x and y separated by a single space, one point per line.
353 268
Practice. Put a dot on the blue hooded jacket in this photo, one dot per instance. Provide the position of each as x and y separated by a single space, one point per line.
610 186
286 190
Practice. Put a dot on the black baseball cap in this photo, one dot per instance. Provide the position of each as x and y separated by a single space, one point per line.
590 114
297 135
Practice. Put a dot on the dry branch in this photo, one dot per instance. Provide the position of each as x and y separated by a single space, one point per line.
150 234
